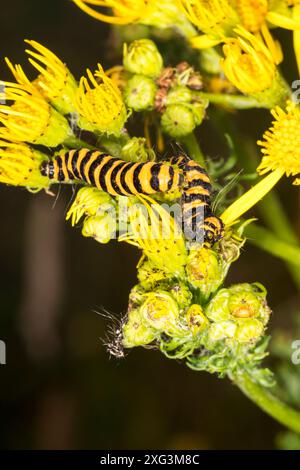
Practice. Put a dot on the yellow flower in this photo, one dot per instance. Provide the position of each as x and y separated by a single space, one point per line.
281 150
252 13
215 18
160 13
55 81
281 14
124 11
20 166
154 230
281 143
87 202
100 104
249 65
29 118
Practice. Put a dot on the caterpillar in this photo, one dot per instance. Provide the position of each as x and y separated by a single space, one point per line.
196 201
118 177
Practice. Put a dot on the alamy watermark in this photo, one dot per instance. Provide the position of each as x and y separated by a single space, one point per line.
296 352
2 93
2 353
296 92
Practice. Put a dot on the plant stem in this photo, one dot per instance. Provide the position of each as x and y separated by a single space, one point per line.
233 101
266 240
193 148
267 401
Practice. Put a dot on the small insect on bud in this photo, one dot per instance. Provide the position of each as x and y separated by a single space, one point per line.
161 312
204 270
178 120
135 332
100 227
136 150
140 93
142 57
196 320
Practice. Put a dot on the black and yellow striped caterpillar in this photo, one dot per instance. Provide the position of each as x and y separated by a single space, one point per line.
118 177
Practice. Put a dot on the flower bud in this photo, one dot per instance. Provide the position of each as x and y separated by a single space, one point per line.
204 270
221 330
142 57
196 319
100 227
178 120
136 150
149 275
199 111
243 305
217 309
87 202
140 93
249 331
182 295
179 94
160 312
135 333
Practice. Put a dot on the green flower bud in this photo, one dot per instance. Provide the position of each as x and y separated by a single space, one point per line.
199 111
161 312
217 309
204 270
136 296
178 120
149 275
249 331
100 227
140 93
196 319
249 301
179 94
136 150
221 330
142 57
182 295
244 304
135 332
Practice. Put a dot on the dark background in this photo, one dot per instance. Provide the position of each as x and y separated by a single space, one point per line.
59 388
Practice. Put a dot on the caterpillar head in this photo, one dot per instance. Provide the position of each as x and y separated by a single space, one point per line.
213 229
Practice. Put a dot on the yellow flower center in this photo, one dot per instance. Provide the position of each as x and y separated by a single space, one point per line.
100 102
27 118
281 144
252 13
208 15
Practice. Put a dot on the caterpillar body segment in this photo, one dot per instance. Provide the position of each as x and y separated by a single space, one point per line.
112 175
118 177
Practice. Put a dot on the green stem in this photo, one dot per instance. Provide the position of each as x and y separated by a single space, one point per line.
267 401
233 101
266 240
193 148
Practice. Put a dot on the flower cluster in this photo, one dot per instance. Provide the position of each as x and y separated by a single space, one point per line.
182 303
